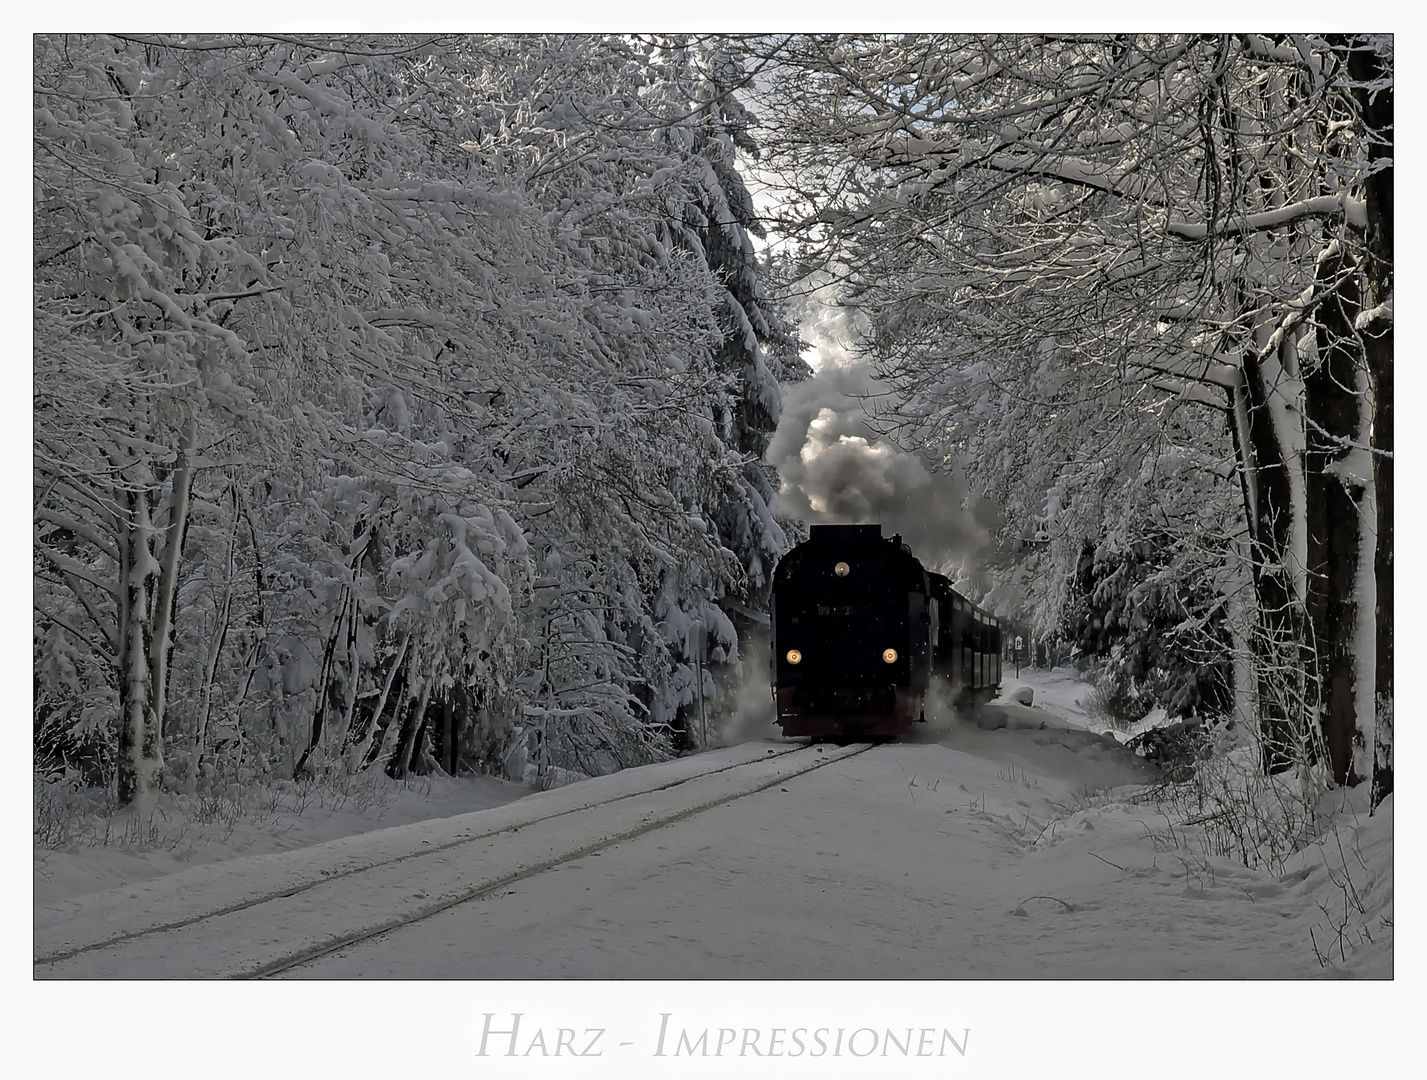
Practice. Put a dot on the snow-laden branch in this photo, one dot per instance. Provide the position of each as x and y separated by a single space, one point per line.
77 527
76 569
1341 441
996 156
1195 392
1354 211
1374 317
1192 369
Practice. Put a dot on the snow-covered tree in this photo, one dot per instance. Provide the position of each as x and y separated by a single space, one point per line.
1083 254
408 333
629 144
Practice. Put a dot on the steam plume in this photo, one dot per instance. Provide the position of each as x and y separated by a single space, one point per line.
834 471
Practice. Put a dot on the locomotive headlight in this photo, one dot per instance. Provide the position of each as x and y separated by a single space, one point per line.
841 569
794 657
889 655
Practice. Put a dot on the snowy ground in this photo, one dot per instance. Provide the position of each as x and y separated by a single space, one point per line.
975 859
1062 695
104 851
1010 850
1057 692
909 862
107 851
1020 847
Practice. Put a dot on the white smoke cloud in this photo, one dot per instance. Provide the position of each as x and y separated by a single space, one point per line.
834 470
754 715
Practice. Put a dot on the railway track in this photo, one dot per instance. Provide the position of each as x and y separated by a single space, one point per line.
214 922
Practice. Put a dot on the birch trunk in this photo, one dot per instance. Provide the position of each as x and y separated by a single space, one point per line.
166 597
220 635
140 745
1375 106
149 591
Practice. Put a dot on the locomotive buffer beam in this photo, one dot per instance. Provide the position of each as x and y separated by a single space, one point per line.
848 712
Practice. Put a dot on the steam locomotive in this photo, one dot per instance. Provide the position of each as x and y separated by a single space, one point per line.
862 632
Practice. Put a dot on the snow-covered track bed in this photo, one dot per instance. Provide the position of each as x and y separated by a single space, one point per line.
259 916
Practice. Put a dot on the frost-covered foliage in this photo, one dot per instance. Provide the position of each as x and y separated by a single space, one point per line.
1136 286
385 402
1154 638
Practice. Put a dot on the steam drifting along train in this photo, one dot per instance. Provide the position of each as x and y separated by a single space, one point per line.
862 632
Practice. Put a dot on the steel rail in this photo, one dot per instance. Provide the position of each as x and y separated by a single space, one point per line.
228 909
317 952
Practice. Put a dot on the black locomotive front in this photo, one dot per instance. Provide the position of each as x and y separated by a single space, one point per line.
852 635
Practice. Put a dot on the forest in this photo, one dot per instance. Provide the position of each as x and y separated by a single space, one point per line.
403 402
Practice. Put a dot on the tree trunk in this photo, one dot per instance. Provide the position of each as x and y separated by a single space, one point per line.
413 726
365 749
1276 641
215 650
1380 370
140 742
1333 509
343 736
329 690
149 601
166 597
1368 66
448 731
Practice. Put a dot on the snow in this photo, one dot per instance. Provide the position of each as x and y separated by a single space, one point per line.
977 853
1353 210
1014 845
1058 693
1060 697
261 824
1017 847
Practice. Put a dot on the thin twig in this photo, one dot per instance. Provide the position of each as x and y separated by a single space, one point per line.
1316 952
1107 862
